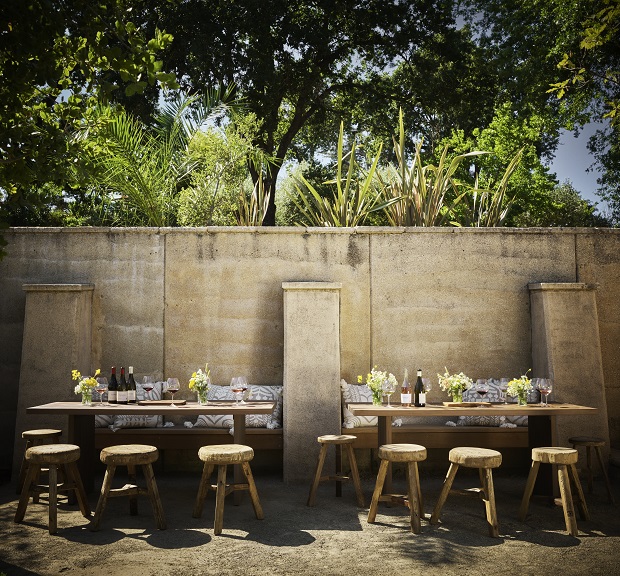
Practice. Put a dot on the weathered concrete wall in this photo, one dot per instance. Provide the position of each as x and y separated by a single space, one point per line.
168 300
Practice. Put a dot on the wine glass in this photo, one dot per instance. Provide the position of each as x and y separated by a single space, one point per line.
545 387
243 384
482 387
503 388
388 388
172 387
428 385
236 385
101 388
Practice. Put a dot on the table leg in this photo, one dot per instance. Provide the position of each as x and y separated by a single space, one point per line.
81 431
542 431
385 437
239 438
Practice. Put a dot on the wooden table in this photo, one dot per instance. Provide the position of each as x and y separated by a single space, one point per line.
542 425
81 429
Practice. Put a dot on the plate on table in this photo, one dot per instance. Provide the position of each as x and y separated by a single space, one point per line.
161 402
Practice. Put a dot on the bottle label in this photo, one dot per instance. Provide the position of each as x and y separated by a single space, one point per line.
405 398
422 398
131 395
111 396
121 396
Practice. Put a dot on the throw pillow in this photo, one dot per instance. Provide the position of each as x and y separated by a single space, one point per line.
480 420
355 393
133 421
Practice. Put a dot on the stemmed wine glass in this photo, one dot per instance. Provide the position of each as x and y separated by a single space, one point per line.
503 388
147 384
482 387
545 387
428 385
173 388
388 388
243 383
237 387
101 388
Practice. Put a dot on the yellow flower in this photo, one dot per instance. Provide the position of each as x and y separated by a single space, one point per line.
75 374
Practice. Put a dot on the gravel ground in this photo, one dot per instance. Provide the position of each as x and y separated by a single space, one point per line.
333 538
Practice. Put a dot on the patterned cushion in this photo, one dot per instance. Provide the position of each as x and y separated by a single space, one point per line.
421 421
493 395
355 393
255 392
129 421
480 420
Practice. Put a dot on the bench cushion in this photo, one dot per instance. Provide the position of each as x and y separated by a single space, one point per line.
116 422
355 393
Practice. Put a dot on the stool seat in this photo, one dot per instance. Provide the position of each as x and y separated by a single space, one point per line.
555 455
484 460
221 455
57 458
35 438
597 443
565 460
129 454
337 440
53 454
410 454
41 434
475 457
226 454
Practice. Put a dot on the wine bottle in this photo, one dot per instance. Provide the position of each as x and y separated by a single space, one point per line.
131 387
405 391
121 395
419 394
112 387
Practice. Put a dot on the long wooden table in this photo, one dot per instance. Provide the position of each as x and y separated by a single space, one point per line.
81 425
542 425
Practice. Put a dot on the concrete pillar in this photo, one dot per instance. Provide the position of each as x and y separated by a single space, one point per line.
56 340
566 347
311 374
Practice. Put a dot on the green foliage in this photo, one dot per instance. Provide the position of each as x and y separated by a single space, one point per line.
252 210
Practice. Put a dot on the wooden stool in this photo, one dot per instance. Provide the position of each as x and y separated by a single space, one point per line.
221 455
130 455
35 438
339 478
597 444
565 459
52 456
411 454
483 459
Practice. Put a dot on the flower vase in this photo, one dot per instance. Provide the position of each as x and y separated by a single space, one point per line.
377 397
522 399
87 398
457 397
202 397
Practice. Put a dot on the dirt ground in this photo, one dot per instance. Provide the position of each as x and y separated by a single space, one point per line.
333 538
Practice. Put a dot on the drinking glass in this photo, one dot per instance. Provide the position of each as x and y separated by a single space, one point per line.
236 385
482 387
428 385
503 387
388 388
147 383
545 387
243 384
535 386
173 388
101 388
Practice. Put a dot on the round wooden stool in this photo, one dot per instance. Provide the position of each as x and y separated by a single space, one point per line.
35 438
130 455
338 441
53 457
484 460
565 459
411 454
596 443
222 455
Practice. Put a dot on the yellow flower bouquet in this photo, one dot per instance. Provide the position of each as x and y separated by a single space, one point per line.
200 382
85 386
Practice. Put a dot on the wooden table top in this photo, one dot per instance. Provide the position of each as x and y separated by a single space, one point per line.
190 408
554 409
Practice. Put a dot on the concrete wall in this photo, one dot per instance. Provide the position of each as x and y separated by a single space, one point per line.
168 300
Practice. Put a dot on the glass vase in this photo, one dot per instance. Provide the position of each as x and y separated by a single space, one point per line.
202 397
522 399
377 397
457 397
87 398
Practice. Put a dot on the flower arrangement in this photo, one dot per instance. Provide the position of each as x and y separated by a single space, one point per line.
86 385
519 387
374 381
200 382
455 384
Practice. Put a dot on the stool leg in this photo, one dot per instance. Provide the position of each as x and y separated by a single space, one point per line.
258 509
567 500
53 499
589 469
529 488
219 499
73 475
372 512
489 502
203 489
317 475
599 456
356 476
413 491
23 469
103 497
133 499
445 490
581 501
338 470
158 511
31 473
